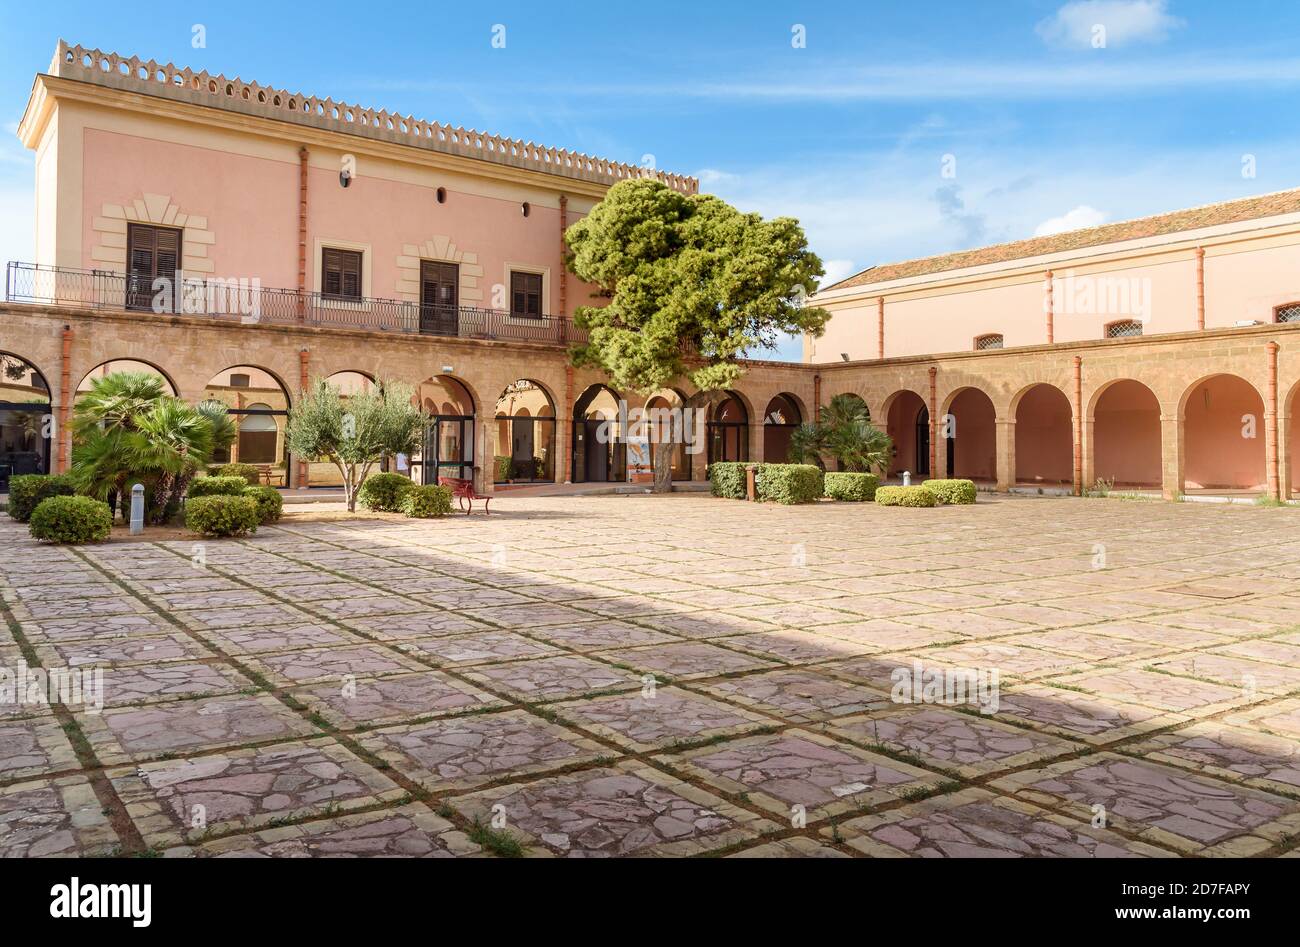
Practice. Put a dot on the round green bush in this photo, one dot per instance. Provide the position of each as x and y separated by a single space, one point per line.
952 491
269 503
217 487
221 515
383 492
70 519
789 483
247 471
727 479
27 490
905 496
859 487
426 502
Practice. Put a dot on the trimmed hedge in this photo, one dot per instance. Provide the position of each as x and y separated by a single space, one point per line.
71 519
221 515
727 479
384 492
427 502
217 487
28 490
905 496
790 483
247 471
269 503
952 491
859 487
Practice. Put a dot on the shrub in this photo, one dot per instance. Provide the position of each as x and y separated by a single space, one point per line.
70 519
842 485
247 471
727 479
503 468
383 492
221 515
217 487
905 496
269 503
426 502
27 490
790 483
951 491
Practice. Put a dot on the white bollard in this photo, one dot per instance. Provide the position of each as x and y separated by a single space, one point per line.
907 478
137 509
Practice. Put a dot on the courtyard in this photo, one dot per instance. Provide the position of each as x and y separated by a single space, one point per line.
673 676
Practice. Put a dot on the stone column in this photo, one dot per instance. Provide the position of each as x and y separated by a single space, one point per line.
756 441
1171 455
1006 452
483 457
1089 452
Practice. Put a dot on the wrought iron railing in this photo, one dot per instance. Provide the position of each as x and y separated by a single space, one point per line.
245 301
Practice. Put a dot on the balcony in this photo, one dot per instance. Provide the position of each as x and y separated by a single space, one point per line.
248 303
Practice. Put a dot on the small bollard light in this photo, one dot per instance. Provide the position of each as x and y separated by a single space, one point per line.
137 509
907 478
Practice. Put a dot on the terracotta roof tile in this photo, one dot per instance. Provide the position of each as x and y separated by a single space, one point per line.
1211 215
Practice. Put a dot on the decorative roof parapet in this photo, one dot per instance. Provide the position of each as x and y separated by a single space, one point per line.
201 88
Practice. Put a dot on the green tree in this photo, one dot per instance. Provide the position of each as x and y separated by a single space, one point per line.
126 428
355 432
843 431
693 287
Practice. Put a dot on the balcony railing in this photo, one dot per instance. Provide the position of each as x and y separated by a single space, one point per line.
246 302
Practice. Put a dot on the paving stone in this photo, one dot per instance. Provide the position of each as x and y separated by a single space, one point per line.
797 695
175 680
658 718
1161 804
393 699
119 652
601 635
552 678
479 648
1240 673
459 753
418 625
255 616
406 832
796 846
190 799
54 817
252 641
34 746
780 771
1153 689
331 664
687 660
974 823
105 626
626 809
1094 720
1258 759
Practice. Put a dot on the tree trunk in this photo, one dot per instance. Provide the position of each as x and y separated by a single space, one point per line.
664 467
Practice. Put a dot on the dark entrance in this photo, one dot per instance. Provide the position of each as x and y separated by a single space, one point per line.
449 447
439 298
923 442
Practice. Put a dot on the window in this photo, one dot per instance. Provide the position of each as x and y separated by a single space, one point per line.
1288 313
240 381
526 295
152 252
1125 329
340 273
988 342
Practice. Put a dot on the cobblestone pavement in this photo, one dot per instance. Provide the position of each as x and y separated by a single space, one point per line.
595 676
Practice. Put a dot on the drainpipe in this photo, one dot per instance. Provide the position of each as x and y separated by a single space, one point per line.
566 426
880 327
304 358
1200 287
564 270
934 424
817 395
1051 310
302 232
65 396
1274 481
1078 426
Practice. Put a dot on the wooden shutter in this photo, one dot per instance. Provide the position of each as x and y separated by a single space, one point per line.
526 295
151 252
341 273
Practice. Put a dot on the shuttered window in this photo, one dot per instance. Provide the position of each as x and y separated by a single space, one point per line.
341 273
526 295
152 252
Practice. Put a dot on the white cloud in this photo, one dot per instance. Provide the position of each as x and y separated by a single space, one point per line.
1075 219
1087 24
837 270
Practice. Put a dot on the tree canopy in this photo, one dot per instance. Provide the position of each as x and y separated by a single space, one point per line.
693 285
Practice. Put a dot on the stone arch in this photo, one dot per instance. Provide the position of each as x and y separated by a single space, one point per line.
906 417
968 426
1044 436
1223 417
1124 441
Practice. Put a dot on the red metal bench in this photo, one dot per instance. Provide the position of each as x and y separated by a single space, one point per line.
465 494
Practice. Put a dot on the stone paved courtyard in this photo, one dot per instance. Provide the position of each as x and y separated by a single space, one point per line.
591 676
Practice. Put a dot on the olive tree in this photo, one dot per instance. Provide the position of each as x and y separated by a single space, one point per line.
355 432
691 285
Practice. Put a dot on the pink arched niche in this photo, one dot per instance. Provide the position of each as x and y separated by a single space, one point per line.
1044 437
972 447
1126 435
1223 435
902 410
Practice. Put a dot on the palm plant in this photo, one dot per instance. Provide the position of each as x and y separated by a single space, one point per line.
844 432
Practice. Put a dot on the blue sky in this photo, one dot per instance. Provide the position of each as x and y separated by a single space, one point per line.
1046 127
